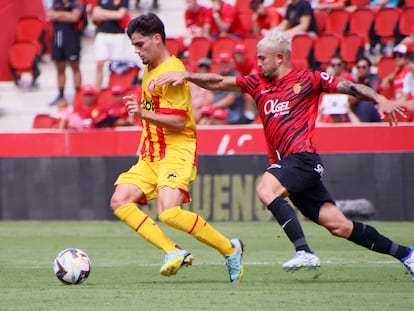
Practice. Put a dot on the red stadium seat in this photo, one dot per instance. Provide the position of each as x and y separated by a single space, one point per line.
251 43
23 58
199 48
125 77
385 66
385 22
44 121
360 22
222 44
360 3
326 45
337 21
352 46
32 29
320 17
302 44
173 46
246 20
406 21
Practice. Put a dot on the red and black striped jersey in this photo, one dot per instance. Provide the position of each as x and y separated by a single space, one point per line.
288 108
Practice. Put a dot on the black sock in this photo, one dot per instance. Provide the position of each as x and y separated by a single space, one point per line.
368 237
61 93
287 218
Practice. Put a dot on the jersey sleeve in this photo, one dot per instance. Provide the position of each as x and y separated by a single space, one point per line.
327 83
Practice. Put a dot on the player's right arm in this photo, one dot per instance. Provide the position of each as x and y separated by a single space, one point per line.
209 81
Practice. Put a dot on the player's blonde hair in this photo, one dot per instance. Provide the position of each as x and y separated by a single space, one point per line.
277 41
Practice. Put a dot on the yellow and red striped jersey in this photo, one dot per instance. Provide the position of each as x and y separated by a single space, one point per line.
158 142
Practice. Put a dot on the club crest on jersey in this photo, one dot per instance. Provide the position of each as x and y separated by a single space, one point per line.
297 88
151 86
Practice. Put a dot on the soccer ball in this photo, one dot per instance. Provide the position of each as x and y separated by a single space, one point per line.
72 266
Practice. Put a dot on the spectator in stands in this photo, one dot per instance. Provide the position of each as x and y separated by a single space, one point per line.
65 113
201 98
195 18
365 110
299 18
87 113
339 70
223 19
117 112
111 19
242 63
264 18
394 80
410 38
245 66
66 41
229 107
407 96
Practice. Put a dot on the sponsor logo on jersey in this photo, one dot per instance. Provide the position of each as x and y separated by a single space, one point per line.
276 108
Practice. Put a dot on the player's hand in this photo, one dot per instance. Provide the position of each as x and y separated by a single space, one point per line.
173 77
133 106
391 109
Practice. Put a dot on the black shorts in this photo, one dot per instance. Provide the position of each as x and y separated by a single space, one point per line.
66 46
300 173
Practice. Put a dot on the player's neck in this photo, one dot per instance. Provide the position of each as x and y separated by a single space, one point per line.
162 57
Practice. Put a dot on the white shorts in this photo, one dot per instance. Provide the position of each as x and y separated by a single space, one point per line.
111 46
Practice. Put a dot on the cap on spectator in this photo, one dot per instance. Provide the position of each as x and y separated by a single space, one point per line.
224 57
118 89
204 62
240 48
402 48
88 89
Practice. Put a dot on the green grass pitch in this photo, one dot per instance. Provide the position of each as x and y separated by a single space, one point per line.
125 271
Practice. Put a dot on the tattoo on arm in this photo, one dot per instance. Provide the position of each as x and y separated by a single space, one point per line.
358 90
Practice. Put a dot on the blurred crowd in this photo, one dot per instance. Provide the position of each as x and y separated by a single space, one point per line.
221 37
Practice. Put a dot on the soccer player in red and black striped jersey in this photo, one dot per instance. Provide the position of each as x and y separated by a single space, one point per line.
287 101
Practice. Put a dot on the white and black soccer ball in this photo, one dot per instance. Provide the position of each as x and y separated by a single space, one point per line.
72 266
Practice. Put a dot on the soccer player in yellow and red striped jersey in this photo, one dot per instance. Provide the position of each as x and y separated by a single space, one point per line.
167 163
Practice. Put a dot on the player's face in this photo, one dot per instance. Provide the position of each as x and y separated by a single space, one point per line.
145 47
268 62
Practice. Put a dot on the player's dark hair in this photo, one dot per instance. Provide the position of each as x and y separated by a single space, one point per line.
146 25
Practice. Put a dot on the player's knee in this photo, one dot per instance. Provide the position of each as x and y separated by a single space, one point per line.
341 230
116 202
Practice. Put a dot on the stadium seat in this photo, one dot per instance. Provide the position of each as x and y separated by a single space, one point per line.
386 65
173 46
326 45
360 22
337 21
406 22
384 23
222 44
246 20
32 29
409 3
123 73
243 6
44 121
302 45
320 17
23 58
279 3
351 48
199 48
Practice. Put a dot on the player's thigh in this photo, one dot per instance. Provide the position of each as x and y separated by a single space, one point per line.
177 174
143 175
269 188
125 193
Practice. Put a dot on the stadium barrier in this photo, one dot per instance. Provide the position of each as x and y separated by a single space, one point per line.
69 175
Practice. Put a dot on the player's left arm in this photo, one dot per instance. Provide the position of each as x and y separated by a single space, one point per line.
363 92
